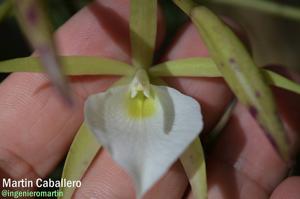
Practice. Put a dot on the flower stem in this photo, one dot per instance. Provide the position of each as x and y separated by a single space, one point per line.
265 6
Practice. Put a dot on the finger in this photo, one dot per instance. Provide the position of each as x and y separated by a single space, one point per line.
105 179
45 127
289 188
245 157
212 93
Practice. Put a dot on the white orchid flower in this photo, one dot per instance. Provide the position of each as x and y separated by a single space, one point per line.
144 127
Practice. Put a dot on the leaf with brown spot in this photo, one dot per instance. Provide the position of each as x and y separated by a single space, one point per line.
37 28
241 74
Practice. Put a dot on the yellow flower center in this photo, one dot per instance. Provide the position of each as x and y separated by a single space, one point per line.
140 106
141 102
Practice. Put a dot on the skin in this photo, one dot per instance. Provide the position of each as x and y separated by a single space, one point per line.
242 163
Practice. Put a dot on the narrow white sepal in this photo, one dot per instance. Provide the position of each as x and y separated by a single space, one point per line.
148 145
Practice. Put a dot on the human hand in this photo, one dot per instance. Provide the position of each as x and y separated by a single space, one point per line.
242 164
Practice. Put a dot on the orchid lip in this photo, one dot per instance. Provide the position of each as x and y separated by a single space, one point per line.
144 135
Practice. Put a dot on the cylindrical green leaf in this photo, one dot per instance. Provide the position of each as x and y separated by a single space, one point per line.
143 25
270 7
242 75
37 28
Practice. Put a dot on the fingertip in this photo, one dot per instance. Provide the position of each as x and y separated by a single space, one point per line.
212 93
106 179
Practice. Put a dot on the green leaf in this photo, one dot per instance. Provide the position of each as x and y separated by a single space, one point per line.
193 161
72 65
242 75
191 67
269 7
37 28
83 150
186 5
5 9
143 22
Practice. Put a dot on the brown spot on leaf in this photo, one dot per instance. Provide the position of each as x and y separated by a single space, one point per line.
257 94
232 60
43 49
253 111
32 14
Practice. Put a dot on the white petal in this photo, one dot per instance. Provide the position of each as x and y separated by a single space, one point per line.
145 139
